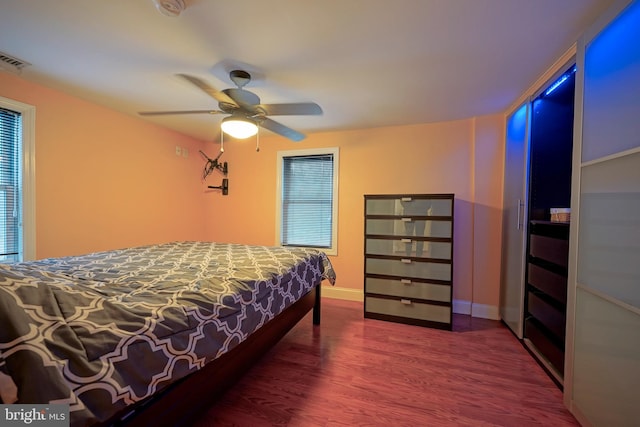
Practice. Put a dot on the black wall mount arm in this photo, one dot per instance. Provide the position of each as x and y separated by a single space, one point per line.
224 186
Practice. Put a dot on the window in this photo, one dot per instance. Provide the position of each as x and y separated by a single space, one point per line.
10 197
307 198
17 201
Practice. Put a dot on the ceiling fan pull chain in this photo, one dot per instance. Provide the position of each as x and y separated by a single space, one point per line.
258 140
222 142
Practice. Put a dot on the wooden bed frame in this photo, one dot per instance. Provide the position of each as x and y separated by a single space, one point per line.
185 400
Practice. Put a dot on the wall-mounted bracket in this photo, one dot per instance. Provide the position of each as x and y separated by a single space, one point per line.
213 164
224 187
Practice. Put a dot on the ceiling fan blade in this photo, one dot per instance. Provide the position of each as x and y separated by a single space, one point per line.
204 86
295 109
165 113
245 99
281 129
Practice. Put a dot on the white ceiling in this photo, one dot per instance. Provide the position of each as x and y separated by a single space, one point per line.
367 63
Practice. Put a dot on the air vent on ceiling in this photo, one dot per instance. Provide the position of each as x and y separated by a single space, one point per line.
11 63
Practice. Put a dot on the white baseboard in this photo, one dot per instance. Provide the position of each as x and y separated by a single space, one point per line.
462 307
483 311
348 294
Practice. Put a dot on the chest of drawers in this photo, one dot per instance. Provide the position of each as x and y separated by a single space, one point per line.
408 250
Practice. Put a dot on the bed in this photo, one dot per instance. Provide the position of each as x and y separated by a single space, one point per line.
130 336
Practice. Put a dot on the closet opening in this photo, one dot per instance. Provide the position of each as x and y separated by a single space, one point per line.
552 147
547 232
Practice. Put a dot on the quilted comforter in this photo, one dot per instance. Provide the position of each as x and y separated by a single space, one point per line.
105 330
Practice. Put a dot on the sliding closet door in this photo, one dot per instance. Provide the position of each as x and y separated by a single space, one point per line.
514 219
603 354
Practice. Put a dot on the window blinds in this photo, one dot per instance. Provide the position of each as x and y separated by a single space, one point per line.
307 200
10 197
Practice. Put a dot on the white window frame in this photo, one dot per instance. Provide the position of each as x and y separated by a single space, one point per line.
334 151
27 177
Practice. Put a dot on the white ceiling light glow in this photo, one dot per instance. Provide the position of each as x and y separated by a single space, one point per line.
239 127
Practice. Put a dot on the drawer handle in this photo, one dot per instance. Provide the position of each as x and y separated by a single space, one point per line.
405 261
405 281
406 199
520 211
405 240
405 301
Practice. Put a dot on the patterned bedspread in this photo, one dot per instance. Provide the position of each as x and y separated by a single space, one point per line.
105 330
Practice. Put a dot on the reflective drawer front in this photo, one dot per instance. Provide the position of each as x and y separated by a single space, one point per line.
408 268
407 288
409 206
408 309
408 247
407 227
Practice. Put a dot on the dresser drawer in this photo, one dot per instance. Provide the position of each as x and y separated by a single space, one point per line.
549 349
408 268
409 206
550 249
407 289
548 315
407 247
407 227
407 308
548 282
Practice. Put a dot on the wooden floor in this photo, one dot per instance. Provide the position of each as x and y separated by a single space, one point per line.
352 371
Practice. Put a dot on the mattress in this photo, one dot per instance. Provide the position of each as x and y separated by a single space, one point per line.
105 330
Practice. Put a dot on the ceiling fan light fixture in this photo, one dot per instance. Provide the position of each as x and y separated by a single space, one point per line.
239 127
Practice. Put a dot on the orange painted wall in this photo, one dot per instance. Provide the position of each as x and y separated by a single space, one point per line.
107 180
462 157
487 208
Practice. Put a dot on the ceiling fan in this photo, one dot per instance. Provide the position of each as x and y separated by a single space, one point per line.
245 111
